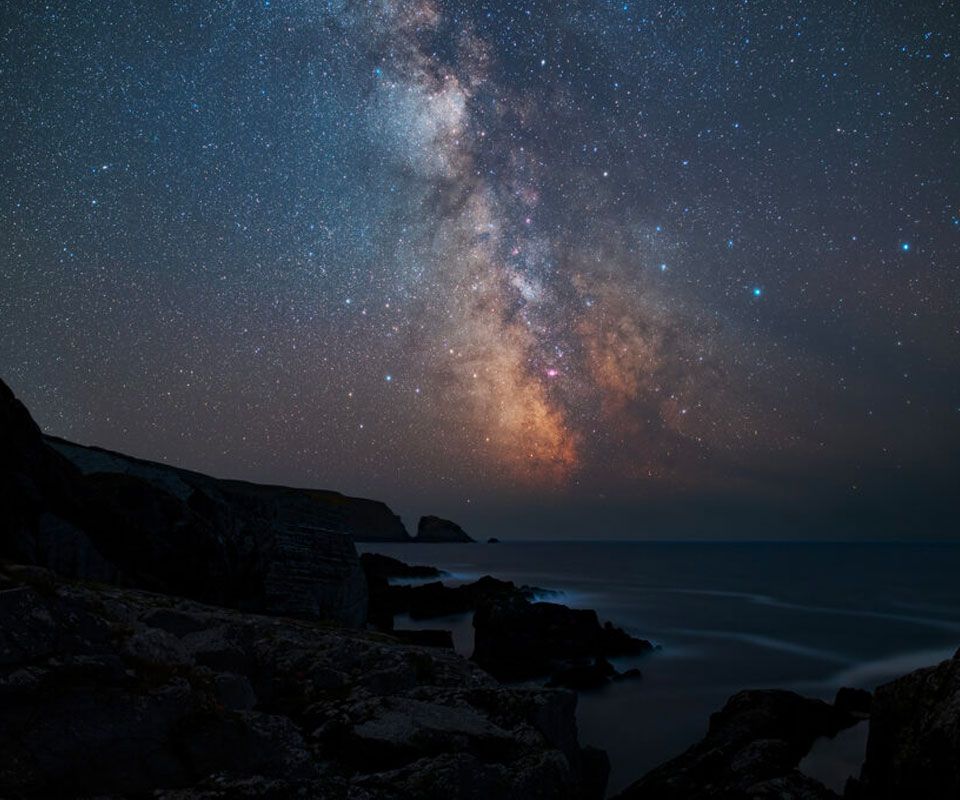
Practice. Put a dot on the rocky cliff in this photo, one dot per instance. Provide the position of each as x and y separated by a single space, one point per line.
365 520
94 514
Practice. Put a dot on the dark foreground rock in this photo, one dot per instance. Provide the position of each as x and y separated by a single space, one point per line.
110 691
750 752
434 529
517 640
913 748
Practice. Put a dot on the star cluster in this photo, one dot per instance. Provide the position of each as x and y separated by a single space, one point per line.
478 258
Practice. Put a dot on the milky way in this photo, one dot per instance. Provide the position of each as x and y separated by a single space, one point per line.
494 259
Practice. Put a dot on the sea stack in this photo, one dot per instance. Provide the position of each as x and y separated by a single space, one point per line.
434 529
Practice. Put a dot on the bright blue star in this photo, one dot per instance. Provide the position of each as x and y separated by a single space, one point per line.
389 378
905 246
757 291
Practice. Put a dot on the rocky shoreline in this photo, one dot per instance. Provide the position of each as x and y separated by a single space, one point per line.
168 634
120 692
517 637
115 692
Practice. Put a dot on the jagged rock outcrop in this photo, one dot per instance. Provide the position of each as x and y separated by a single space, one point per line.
435 599
100 515
517 640
432 529
112 691
376 565
913 748
750 752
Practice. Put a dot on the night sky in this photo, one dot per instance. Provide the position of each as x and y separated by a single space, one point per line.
550 269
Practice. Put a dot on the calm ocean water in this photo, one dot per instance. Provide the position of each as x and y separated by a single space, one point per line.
805 616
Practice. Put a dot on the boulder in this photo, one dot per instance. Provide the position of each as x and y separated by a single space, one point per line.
434 529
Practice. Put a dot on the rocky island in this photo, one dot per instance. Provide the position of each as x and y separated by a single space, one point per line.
435 530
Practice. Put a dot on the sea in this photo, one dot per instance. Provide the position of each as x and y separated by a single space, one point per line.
810 616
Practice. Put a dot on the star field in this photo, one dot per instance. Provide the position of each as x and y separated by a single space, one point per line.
495 260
